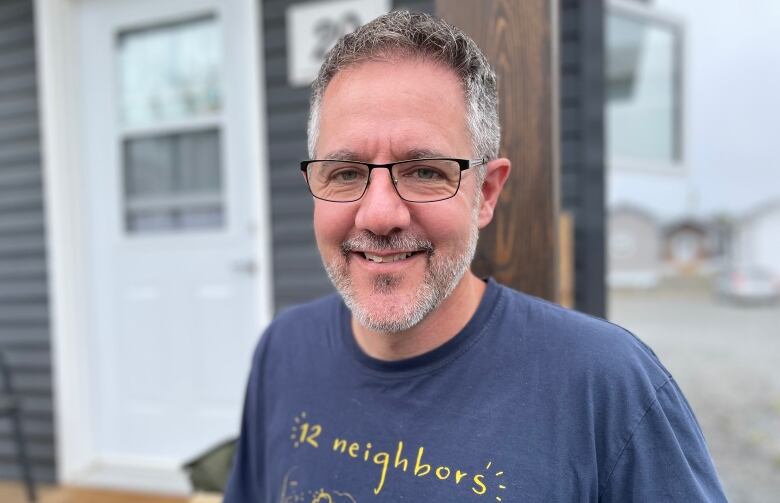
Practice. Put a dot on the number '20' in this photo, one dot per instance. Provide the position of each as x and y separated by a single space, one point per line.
327 31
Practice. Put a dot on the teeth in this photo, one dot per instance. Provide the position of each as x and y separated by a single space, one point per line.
388 258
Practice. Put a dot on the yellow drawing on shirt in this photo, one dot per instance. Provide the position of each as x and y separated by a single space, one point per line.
322 496
399 460
292 494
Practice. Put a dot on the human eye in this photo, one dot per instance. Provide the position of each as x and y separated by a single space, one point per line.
346 175
427 173
422 172
341 173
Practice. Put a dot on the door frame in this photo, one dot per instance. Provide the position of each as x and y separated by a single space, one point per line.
67 240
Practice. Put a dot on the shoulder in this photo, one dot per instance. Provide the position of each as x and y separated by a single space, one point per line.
642 426
590 349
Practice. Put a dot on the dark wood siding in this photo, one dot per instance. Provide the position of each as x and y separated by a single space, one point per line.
24 303
582 145
298 271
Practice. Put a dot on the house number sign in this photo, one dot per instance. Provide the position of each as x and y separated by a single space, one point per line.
314 27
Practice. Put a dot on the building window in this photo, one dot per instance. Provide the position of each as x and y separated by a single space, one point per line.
644 97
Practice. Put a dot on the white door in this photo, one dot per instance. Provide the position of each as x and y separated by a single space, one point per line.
177 293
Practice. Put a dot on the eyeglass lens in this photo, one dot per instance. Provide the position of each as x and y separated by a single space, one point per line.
422 180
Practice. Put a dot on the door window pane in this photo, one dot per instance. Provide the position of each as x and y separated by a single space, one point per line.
169 72
173 182
149 166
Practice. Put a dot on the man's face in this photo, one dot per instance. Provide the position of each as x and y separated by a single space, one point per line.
395 261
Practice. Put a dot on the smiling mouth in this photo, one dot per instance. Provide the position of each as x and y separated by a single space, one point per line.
380 259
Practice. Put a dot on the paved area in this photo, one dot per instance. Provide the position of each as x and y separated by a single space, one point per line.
726 359
14 493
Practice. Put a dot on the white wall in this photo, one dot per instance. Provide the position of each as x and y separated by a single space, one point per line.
758 242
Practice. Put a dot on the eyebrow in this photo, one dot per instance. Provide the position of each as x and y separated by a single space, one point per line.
343 155
415 153
422 153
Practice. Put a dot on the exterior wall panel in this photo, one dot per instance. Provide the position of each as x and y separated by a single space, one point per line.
582 145
24 306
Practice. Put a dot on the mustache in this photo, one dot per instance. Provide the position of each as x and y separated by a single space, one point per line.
370 241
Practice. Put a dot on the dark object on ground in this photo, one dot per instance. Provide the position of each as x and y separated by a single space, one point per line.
209 471
9 407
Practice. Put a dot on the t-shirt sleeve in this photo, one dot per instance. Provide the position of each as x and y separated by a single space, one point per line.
666 458
245 483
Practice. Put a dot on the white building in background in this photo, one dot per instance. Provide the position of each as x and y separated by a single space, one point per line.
634 248
692 106
646 110
757 239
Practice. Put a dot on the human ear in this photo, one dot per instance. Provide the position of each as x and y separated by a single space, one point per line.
497 174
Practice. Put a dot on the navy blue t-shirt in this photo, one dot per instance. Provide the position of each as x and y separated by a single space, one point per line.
530 402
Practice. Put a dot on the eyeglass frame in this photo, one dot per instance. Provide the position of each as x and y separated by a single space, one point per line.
464 164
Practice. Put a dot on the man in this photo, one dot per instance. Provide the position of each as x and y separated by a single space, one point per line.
421 382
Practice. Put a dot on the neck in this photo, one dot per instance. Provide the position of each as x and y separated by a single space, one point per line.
441 325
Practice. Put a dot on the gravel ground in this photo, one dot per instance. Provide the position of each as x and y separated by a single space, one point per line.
726 359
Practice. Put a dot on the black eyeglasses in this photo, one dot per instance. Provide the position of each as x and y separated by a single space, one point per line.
415 180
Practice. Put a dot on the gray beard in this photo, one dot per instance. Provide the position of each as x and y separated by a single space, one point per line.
442 275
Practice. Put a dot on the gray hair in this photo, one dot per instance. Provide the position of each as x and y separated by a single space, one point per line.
422 35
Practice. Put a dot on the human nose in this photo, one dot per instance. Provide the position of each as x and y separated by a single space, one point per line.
382 211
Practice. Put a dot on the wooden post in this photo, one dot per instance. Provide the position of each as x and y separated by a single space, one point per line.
520 247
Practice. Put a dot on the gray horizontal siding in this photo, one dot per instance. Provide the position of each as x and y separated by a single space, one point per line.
294 281
25 337
24 306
